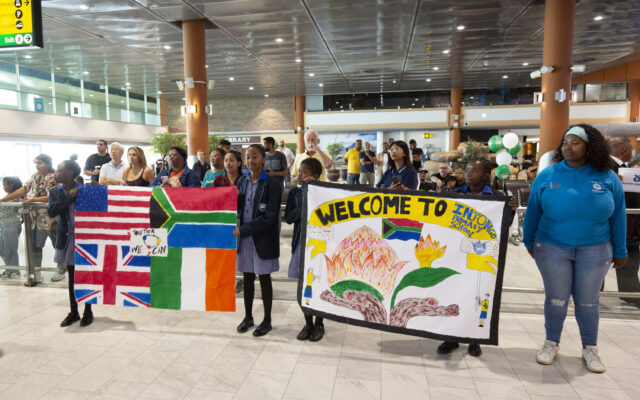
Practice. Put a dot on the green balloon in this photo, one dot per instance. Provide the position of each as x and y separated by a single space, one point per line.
495 143
503 172
515 149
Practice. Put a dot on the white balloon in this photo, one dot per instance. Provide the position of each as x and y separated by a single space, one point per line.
510 140
503 158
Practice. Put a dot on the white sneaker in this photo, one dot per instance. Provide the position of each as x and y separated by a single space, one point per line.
57 277
592 359
548 352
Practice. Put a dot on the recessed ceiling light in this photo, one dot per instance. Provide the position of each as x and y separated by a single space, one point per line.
416 99
525 63
49 87
57 68
598 18
298 60
84 7
86 72
128 83
167 47
27 56
505 76
460 27
435 68
312 74
428 79
321 84
413 104
447 51
337 102
279 39
471 97
231 78
250 87
206 66
266 95
90 95
159 92
394 81
121 101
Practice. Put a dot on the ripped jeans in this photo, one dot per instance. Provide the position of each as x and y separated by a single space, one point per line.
577 272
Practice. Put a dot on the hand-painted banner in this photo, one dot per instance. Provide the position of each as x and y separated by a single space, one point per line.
411 262
162 248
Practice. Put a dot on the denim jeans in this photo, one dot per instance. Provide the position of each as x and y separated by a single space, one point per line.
9 236
352 179
577 272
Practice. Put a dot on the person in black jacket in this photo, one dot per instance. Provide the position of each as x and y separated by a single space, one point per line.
310 170
62 205
258 231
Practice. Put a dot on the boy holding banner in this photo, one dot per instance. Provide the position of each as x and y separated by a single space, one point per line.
310 170
477 175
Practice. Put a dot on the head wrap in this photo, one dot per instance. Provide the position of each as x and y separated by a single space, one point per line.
579 132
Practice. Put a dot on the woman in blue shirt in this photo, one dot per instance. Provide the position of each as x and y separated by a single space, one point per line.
574 228
400 166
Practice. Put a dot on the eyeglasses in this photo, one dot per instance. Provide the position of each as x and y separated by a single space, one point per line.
394 149
174 155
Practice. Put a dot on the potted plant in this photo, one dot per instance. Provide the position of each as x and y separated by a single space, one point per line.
334 149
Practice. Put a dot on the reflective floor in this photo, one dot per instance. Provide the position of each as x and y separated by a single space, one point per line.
156 354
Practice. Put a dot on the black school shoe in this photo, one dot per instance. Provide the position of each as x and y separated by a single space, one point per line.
245 325
262 330
87 319
447 347
70 319
317 333
305 332
475 350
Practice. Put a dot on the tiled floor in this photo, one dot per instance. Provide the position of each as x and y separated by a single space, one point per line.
157 354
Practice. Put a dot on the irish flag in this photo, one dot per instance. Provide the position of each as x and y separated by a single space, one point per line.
198 272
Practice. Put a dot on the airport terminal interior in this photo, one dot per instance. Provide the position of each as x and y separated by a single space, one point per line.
451 99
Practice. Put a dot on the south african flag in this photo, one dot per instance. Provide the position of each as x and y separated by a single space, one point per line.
401 229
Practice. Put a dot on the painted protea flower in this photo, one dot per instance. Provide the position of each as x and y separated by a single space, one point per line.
428 250
364 256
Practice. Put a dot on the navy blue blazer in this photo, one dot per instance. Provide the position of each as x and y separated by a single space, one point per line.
264 226
189 178
59 201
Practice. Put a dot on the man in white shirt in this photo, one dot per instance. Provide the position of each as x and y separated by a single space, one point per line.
111 172
311 140
290 158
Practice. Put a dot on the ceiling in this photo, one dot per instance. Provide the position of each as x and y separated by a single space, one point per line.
350 46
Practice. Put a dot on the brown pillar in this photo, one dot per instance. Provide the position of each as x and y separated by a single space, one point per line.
195 53
454 124
557 53
298 121
633 92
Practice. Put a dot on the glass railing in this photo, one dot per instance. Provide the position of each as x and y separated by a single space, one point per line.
74 107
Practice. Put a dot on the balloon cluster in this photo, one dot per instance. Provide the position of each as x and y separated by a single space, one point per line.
506 147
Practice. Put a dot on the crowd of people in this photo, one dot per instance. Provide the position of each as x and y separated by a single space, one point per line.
573 249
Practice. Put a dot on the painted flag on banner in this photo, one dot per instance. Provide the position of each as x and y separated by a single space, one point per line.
110 274
401 229
196 272
199 270
106 272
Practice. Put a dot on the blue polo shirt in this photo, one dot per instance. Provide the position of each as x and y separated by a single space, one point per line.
408 174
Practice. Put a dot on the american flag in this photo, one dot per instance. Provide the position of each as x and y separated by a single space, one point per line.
105 214
106 271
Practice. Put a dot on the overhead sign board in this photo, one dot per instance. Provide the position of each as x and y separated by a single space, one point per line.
20 24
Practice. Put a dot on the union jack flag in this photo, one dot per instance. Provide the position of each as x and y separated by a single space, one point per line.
110 274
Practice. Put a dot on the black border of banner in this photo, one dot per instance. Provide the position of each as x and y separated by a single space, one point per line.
497 298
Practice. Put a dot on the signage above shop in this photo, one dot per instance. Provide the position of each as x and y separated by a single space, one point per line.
20 24
243 139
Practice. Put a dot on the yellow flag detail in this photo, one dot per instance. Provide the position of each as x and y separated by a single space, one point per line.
319 246
482 263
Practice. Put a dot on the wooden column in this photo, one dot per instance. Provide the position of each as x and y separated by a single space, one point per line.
633 93
454 124
193 42
298 121
557 53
